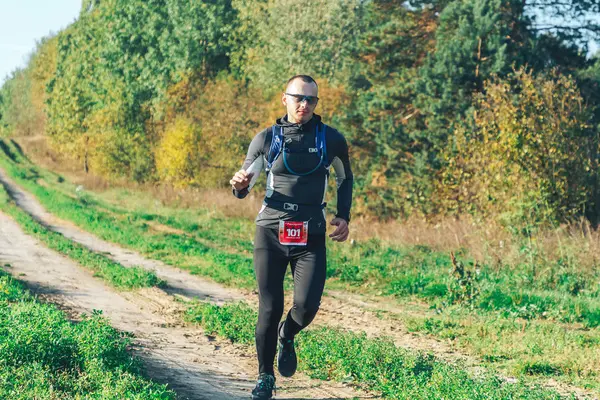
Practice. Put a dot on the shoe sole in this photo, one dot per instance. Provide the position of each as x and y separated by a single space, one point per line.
286 373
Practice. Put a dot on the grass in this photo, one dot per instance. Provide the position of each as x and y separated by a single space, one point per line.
374 364
134 231
537 348
482 309
44 356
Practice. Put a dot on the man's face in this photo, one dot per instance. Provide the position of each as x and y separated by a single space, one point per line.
300 109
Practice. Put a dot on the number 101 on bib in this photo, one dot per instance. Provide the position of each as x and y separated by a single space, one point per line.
293 233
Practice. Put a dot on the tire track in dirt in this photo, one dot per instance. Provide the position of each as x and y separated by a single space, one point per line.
344 310
179 282
336 310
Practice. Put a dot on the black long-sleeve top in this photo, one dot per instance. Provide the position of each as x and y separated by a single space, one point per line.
284 186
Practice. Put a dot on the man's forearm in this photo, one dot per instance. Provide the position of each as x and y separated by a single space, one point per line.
344 196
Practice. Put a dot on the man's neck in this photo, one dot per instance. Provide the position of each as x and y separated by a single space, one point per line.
291 119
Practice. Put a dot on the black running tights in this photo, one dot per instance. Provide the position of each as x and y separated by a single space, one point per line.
309 264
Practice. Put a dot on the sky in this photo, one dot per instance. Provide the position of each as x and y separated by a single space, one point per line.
23 22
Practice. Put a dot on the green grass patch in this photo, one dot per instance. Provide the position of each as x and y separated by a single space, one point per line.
374 364
536 348
234 322
44 356
541 368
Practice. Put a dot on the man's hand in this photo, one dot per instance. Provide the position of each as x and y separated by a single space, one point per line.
341 232
241 180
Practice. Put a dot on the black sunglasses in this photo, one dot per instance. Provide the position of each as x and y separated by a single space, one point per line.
299 98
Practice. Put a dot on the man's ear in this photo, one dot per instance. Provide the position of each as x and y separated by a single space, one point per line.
284 99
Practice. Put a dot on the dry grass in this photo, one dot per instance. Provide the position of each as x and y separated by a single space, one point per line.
39 151
577 242
217 199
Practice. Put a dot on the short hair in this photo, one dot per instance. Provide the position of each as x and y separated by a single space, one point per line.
305 78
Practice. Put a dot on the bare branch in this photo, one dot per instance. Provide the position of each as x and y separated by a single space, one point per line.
548 27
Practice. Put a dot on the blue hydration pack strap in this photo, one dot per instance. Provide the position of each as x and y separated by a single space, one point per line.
277 147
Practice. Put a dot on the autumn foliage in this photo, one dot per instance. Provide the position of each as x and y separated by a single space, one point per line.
530 153
450 107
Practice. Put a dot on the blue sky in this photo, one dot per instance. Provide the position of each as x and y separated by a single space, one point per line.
23 22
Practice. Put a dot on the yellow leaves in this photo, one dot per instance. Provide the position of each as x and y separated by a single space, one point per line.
177 153
379 179
335 99
528 148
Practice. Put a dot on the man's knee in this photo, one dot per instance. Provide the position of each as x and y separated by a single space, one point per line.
304 311
270 313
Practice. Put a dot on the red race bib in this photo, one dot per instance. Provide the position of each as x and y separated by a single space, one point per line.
293 233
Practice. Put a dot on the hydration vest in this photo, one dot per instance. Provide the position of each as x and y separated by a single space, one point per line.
277 147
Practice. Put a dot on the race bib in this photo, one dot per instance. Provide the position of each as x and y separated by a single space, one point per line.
293 233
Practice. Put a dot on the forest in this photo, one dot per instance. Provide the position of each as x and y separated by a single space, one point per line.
486 108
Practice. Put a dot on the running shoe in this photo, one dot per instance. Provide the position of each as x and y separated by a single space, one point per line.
287 362
264 387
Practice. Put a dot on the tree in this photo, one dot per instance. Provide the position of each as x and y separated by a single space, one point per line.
288 38
114 67
531 156
568 20
18 115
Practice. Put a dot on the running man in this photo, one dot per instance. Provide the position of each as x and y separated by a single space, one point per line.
296 153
